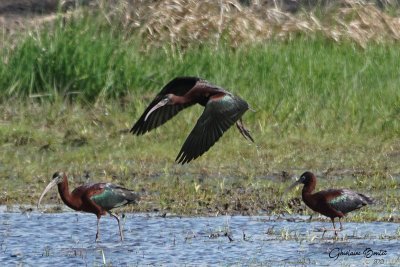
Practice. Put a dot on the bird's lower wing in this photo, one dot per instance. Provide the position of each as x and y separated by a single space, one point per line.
219 115
156 118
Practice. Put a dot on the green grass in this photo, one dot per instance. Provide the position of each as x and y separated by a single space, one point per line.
308 83
70 92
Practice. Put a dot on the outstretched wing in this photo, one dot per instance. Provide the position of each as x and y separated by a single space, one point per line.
178 86
220 113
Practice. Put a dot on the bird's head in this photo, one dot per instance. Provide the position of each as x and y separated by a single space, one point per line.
305 179
57 178
165 100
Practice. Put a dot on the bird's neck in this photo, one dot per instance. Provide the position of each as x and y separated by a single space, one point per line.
179 100
65 195
306 195
308 189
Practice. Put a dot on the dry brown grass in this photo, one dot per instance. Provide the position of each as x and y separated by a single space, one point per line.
188 21
185 22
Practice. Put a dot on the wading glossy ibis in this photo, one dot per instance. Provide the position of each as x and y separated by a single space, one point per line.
98 198
332 202
222 110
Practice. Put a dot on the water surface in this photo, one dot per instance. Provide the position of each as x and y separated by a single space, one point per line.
67 239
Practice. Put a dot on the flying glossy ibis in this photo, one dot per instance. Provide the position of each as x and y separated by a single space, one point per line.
98 198
222 110
332 202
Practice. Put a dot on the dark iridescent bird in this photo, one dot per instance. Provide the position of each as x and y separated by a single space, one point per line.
332 202
98 198
222 110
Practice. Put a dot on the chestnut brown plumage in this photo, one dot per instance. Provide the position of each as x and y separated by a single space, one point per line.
98 198
332 203
222 110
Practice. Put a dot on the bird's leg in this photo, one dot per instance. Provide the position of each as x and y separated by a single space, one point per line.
119 224
245 132
98 232
341 227
334 228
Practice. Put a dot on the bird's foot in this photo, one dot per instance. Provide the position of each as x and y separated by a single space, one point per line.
334 229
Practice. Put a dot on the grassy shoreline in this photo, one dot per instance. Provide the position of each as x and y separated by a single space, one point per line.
234 177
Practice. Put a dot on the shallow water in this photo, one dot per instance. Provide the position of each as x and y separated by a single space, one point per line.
67 239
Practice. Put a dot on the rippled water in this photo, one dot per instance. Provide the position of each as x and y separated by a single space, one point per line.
67 239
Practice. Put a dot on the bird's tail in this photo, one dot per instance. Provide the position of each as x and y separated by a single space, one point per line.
132 197
367 200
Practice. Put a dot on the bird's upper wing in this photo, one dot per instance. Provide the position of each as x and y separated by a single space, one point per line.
178 86
113 196
345 200
220 113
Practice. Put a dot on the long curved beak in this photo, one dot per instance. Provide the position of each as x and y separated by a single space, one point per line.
48 187
159 105
291 187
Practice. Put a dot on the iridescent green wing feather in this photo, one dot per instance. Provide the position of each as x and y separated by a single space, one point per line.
114 196
218 116
348 201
